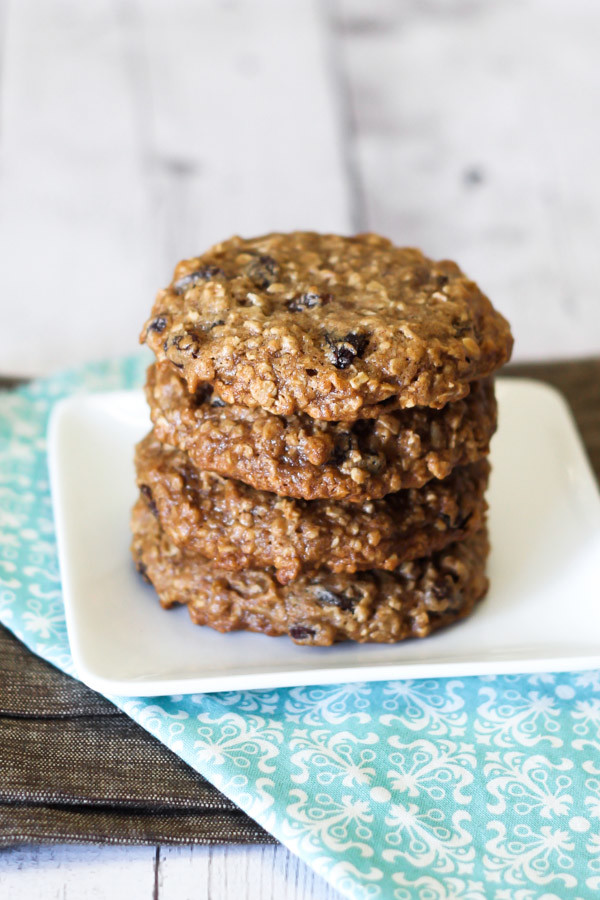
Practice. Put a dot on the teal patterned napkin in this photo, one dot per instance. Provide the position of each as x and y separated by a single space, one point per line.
462 789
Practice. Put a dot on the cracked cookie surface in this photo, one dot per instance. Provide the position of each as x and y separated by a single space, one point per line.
298 456
238 527
374 606
335 327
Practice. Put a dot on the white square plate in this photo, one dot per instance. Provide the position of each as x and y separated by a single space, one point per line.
542 612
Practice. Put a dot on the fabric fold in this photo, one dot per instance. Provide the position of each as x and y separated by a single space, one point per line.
432 789
76 769
30 823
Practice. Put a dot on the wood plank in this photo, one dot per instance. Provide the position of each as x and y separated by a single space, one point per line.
476 135
242 126
477 138
64 872
73 221
243 873
136 133
78 873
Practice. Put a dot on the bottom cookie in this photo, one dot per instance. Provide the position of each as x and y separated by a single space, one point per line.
374 606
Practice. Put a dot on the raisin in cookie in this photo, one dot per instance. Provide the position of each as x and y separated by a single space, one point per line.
335 327
298 456
375 606
239 527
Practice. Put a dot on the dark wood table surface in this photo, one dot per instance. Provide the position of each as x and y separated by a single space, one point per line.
579 382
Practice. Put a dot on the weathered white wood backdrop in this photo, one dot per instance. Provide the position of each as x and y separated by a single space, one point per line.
134 132
137 132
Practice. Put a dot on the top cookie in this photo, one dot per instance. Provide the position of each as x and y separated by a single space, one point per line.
335 327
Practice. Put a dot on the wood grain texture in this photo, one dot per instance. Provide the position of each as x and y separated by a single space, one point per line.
243 873
64 872
74 873
73 221
135 133
477 138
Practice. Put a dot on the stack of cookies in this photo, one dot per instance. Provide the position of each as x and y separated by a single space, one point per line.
322 410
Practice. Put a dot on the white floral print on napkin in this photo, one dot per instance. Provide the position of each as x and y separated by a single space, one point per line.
462 789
